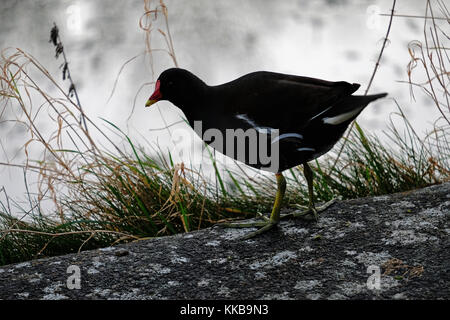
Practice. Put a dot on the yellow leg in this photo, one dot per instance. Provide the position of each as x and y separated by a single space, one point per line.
274 216
281 189
311 209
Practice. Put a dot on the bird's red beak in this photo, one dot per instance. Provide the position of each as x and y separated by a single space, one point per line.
155 97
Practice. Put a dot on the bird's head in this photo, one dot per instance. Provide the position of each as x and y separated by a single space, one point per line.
178 86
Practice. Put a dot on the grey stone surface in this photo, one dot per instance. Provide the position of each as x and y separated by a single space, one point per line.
405 236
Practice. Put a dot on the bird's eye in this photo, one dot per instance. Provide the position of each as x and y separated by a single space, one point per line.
170 83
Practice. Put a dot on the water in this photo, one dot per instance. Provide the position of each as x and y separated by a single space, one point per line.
218 41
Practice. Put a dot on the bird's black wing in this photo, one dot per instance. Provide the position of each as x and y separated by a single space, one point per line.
275 100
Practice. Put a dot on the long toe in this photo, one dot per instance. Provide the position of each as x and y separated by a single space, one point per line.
306 214
326 205
310 213
263 225
243 224
269 225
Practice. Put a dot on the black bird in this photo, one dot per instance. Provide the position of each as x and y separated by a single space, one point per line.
297 118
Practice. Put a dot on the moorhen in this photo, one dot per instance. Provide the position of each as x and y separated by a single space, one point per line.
297 118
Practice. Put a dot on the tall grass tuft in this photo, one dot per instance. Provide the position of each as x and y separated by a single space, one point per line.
102 195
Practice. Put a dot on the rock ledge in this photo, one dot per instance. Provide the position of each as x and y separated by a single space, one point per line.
388 247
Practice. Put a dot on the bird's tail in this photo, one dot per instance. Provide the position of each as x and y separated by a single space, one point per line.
349 108
365 100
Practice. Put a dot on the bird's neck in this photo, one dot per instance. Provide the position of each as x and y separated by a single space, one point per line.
194 103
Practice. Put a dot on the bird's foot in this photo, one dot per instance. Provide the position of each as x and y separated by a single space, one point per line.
309 213
265 226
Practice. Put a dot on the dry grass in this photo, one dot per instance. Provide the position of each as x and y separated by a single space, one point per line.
102 193
400 270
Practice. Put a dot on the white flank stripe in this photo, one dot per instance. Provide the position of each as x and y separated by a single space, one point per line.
287 135
306 149
342 117
264 130
245 118
320 113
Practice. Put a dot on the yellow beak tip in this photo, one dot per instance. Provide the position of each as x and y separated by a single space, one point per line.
150 102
